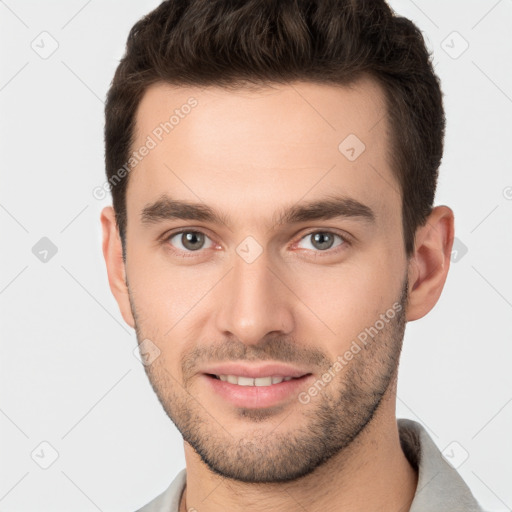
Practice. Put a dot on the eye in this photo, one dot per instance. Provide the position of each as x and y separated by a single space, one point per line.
323 240
189 241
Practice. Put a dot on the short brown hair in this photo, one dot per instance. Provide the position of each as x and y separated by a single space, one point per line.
232 43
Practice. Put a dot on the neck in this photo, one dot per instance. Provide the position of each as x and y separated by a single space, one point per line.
371 473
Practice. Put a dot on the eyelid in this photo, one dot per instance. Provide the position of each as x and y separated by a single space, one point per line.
173 232
342 234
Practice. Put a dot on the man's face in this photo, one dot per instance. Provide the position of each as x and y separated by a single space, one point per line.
267 293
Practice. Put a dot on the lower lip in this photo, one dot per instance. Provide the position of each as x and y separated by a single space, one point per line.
257 396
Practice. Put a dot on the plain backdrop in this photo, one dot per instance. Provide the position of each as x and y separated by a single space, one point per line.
76 399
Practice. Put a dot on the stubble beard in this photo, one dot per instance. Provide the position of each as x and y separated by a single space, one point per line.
324 427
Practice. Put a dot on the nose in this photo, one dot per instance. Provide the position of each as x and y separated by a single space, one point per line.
254 302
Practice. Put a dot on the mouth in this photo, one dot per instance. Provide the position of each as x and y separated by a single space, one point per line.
240 380
261 392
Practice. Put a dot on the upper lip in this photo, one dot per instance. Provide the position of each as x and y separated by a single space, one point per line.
255 371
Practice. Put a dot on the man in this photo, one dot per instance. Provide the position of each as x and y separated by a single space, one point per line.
273 168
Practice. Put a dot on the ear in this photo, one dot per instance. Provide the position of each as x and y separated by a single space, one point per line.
113 254
428 266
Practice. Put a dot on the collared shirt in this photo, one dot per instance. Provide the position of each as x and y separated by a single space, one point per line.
440 488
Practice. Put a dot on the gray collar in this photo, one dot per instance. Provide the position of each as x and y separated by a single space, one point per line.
440 487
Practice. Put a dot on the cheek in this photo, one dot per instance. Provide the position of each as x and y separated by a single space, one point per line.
163 294
351 296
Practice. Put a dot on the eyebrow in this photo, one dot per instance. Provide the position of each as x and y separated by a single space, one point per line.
332 207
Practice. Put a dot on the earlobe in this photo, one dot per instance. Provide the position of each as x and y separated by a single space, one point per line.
112 252
429 265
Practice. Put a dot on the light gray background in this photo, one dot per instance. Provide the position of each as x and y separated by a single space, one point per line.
68 373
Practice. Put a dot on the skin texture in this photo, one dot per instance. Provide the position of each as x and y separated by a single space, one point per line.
248 154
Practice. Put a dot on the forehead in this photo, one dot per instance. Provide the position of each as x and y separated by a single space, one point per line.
250 150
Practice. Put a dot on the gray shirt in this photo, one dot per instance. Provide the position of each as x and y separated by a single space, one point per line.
440 488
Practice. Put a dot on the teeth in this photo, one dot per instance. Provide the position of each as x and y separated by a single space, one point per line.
245 381
263 381
248 381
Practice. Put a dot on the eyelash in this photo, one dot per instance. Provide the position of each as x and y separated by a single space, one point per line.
190 254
